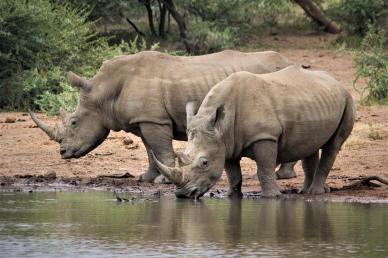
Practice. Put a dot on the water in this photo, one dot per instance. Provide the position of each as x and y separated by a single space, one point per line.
93 224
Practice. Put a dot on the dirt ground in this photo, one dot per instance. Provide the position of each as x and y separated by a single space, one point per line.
29 157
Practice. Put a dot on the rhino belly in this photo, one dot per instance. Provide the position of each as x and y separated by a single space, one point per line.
303 138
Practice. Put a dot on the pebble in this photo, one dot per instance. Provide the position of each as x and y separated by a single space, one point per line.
127 141
10 119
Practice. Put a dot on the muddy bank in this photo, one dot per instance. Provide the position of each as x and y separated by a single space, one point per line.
359 191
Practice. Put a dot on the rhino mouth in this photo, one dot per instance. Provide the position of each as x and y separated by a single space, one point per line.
68 153
191 192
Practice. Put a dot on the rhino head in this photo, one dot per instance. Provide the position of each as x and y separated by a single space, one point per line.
202 163
81 131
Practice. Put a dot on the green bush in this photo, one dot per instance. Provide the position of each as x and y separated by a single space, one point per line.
209 39
371 61
355 15
39 42
219 12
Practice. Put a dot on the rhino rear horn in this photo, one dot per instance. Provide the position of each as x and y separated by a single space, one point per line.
51 131
78 81
191 110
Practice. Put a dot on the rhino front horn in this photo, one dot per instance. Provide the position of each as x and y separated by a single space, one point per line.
51 131
175 175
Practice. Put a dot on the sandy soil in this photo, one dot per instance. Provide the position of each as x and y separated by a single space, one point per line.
28 156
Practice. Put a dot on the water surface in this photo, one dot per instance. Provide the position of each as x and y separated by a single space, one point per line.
93 224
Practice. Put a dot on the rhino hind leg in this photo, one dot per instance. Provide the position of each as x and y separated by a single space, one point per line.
310 165
233 172
265 156
331 149
286 171
157 138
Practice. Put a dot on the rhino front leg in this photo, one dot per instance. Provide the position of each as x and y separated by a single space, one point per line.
152 172
157 138
233 172
265 157
286 171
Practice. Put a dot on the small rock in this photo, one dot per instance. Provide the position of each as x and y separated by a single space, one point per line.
51 174
127 141
20 120
306 66
10 119
24 114
134 146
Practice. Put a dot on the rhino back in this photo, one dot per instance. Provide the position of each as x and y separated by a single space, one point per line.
155 87
297 108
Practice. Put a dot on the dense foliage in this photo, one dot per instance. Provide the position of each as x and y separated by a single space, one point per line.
356 15
40 41
371 61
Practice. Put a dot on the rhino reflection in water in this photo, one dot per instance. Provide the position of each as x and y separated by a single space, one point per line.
146 94
277 117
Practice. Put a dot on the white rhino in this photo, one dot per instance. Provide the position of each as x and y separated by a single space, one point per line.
146 94
271 118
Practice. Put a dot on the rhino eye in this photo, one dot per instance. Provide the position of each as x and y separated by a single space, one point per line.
191 135
203 162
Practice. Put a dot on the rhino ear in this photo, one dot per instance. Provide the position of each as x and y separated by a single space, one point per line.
191 110
63 113
78 81
216 117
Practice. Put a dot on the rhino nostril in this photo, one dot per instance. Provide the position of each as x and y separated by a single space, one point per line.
62 150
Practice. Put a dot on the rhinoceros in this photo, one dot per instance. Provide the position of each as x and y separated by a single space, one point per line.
271 118
146 94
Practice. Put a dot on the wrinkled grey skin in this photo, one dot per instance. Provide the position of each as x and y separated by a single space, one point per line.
271 118
146 94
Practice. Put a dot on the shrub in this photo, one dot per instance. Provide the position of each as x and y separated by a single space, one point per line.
371 61
209 39
355 15
40 41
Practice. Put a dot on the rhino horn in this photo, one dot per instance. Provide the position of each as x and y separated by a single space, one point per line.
78 81
51 131
174 174
191 110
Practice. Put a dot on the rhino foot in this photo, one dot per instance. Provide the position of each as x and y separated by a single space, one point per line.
233 193
318 190
303 190
162 180
285 173
270 193
148 177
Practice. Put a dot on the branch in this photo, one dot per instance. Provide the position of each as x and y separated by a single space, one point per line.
363 181
135 27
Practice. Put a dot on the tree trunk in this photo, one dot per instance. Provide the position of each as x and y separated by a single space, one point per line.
162 21
317 15
168 22
190 45
150 17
